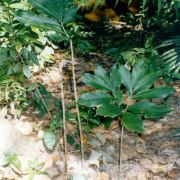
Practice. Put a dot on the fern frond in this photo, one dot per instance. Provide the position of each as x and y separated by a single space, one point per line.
170 55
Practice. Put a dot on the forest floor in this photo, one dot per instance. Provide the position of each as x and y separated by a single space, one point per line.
155 155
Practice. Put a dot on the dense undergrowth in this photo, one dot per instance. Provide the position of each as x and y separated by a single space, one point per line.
144 48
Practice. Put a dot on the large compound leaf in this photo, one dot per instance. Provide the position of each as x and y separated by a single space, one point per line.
132 122
109 110
146 82
115 78
138 72
100 71
126 79
94 99
158 92
96 81
42 22
62 10
150 110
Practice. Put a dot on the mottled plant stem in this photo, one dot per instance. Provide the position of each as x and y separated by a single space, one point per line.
120 153
64 118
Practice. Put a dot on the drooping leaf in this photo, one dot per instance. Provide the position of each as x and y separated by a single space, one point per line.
146 82
26 71
158 92
132 122
96 82
50 140
33 58
126 79
109 110
150 110
94 99
62 10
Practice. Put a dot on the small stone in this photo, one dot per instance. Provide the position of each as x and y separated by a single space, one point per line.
174 173
40 134
52 172
110 149
152 129
101 138
153 167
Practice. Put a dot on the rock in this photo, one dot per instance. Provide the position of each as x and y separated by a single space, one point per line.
41 177
152 129
9 174
174 173
110 149
48 163
153 167
140 146
83 174
101 138
52 172
24 127
103 176
40 134
13 141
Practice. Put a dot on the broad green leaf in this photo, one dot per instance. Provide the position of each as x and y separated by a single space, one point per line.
126 78
132 122
26 71
109 110
158 92
138 72
150 110
146 82
50 140
94 99
100 71
39 21
33 58
115 78
119 96
96 82
62 10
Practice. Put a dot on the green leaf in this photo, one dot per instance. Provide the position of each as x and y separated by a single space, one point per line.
132 122
96 82
119 96
115 78
33 58
126 79
50 140
150 110
94 99
100 71
109 110
26 71
138 72
146 82
39 21
62 10
158 92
